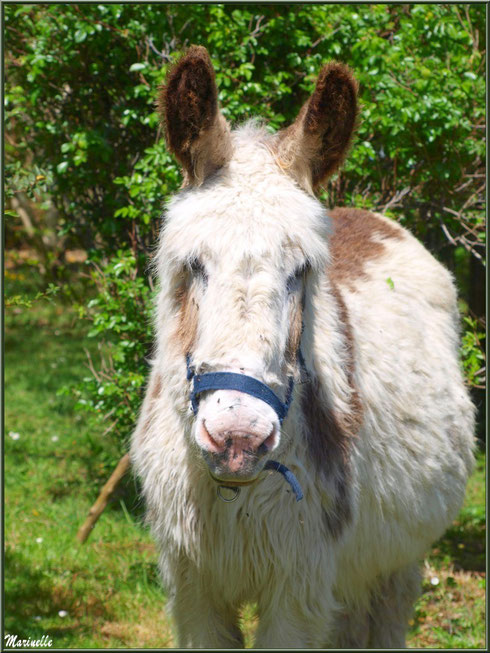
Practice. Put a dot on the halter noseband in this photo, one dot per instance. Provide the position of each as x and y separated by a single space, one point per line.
241 382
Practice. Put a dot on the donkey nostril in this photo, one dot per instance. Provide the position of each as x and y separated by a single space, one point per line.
269 443
210 441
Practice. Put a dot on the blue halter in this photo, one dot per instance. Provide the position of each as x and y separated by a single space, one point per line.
240 382
255 388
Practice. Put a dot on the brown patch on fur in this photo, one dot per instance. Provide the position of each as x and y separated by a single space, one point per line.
315 145
339 514
328 447
351 421
295 331
328 440
196 132
353 242
156 387
330 433
187 327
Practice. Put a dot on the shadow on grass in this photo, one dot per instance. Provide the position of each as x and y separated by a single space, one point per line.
127 499
464 544
129 493
41 352
31 598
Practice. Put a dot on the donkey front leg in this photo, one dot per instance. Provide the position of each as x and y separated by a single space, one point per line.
282 633
392 606
200 622
286 622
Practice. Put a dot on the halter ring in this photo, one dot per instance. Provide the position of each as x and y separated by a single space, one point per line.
236 490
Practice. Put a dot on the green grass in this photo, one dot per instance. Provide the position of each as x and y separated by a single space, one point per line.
109 587
451 612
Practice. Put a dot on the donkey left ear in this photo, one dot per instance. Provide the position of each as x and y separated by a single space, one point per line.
315 145
196 131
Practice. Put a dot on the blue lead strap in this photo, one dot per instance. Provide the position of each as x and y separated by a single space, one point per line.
288 475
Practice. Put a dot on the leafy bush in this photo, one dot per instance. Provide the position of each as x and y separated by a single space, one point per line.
81 84
472 352
121 319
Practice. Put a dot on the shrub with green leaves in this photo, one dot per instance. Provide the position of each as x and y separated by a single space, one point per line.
81 85
120 315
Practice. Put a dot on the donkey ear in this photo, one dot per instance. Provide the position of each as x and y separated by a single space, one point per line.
315 145
196 131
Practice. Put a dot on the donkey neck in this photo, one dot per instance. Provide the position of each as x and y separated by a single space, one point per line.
330 403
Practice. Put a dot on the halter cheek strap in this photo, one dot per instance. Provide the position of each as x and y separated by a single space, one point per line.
241 382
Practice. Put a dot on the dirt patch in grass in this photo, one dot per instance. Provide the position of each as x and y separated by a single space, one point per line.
146 630
450 610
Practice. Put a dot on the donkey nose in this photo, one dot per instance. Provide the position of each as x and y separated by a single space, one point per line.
236 429
233 452
218 437
235 432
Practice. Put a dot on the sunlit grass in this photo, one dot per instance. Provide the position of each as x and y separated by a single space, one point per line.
56 463
451 610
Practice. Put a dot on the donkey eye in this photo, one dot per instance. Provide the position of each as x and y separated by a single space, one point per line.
197 269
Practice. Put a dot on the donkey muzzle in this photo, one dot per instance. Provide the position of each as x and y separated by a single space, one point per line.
238 421
235 436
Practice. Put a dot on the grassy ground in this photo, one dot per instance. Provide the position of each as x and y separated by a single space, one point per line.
106 594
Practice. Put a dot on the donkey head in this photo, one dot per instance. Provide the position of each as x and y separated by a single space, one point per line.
242 251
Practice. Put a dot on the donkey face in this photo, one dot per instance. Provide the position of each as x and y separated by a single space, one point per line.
242 248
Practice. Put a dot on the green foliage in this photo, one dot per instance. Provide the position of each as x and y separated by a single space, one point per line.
26 301
82 79
120 316
81 84
473 353
28 180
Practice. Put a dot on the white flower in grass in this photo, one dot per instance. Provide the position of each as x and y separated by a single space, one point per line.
434 580
14 435
39 540
62 613
55 438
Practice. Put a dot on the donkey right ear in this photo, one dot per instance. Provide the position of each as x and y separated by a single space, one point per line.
196 131
314 146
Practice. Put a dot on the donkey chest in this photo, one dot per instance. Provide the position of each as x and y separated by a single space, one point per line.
245 548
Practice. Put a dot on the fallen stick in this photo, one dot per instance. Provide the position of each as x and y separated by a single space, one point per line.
102 500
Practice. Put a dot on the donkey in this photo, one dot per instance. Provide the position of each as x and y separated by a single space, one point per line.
306 433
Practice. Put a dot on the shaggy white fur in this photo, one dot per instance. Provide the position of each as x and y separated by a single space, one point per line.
403 473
